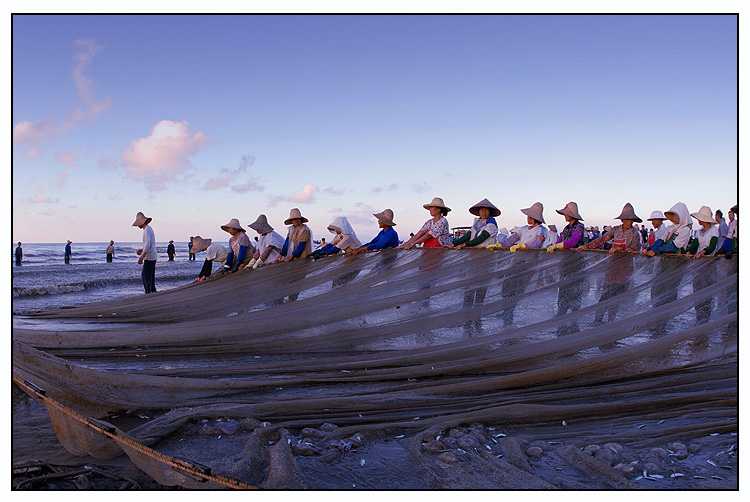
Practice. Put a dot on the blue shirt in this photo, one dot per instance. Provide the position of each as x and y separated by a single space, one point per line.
387 238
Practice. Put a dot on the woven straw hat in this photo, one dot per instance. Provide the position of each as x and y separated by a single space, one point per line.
571 209
261 225
233 223
705 215
199 244
535 211
295 214
141 219
386 217
484 203
628 213
436 202
656 215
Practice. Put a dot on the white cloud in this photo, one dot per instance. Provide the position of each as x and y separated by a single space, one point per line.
162 156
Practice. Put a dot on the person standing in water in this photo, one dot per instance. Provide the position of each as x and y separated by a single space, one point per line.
110 251
68 252
170 250
147 254
19 254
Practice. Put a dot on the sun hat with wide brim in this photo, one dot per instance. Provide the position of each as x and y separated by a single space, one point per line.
656 215
436 202
535 211
261 225
295 214
484 203
199 244
233 223
70 242
385 217
705 215
570 209
628 213
141 219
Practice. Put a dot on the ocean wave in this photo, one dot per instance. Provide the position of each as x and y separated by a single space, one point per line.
56 289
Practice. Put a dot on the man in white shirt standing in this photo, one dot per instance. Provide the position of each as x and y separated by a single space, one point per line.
147 253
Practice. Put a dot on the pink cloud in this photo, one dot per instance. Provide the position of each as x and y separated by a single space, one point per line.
251 185
67 158
33 153
45 129
307 195
162 156
62 176
40 198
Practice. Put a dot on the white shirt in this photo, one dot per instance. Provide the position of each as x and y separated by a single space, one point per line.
527 235
149 244
270 239
217 253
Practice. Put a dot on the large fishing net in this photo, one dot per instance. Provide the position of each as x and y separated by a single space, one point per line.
420 341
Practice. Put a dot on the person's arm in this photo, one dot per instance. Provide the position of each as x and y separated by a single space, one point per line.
465 238
285 247
483 236
206 270
240 258
596 243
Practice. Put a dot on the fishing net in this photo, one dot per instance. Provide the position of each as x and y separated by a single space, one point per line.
418 340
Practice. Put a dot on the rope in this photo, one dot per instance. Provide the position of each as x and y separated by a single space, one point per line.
184 466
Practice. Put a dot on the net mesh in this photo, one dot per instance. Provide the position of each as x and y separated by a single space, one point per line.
418 340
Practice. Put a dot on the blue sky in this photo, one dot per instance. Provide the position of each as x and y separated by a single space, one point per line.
195 120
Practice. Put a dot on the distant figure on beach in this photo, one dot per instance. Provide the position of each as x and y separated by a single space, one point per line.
170 250
708 237
573 231
678 234
298 243
68 252
386 238
191 255
322 243
436 231
345 239
147 254
533 234
269 243
626 237
214 253
483 231
110 251
19 254
240 248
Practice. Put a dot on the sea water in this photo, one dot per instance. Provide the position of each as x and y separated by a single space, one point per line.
44 281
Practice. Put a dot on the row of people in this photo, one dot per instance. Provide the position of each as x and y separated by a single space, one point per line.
484 233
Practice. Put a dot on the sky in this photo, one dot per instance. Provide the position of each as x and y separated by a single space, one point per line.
198 119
